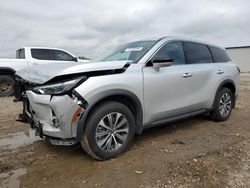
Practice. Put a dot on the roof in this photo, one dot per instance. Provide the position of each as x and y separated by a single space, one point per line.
42 47
237 47
190 40
166 38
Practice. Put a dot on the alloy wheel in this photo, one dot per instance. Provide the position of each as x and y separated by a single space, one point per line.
225 104
5 86
112 131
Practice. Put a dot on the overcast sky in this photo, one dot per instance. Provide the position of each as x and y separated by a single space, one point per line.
85 27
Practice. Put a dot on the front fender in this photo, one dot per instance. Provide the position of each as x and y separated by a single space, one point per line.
107 94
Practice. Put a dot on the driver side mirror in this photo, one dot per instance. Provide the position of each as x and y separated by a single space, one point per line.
161 62
75 59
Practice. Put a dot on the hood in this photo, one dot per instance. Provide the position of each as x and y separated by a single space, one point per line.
39 74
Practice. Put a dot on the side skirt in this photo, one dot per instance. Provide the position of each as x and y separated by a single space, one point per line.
175 118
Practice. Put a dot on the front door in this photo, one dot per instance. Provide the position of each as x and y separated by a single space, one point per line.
167 91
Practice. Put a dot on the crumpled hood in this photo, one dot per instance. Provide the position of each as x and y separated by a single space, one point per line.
39 74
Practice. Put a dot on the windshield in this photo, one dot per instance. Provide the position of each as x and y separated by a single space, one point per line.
131 52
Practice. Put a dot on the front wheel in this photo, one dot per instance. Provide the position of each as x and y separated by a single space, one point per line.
109 131
6 85
223 105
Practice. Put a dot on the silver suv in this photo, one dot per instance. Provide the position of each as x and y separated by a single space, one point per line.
104 103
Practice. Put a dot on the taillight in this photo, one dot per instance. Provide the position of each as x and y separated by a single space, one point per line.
238 68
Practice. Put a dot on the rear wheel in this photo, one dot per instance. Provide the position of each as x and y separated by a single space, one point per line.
109 131
6 85
223 105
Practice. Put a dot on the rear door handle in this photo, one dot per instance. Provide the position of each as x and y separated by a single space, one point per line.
220 72
186 75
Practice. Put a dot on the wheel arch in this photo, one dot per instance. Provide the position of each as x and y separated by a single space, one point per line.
123 96
7 71
227 84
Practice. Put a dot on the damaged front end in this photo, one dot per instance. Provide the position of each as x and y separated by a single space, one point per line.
50 102
52 108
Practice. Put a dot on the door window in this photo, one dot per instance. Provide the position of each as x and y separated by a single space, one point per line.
174 51
61 56
48 54
42 54
196 53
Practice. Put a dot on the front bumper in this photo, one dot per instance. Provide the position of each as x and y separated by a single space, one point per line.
54 117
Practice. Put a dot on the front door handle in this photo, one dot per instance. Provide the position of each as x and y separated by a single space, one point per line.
220 72
35 63
186 75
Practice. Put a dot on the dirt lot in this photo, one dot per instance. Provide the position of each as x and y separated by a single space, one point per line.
192 153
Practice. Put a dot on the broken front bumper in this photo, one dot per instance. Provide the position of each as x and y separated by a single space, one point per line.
54 117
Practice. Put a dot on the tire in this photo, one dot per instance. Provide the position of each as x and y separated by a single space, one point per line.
6 85
223 105
102 143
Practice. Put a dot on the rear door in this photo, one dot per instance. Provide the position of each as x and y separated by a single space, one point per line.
167 91
204 77
220 57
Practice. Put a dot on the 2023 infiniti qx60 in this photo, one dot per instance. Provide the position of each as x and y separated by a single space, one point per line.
141 84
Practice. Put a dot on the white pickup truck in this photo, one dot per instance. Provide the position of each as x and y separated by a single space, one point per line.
26 57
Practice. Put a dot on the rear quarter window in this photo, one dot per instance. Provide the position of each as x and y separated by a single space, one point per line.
20 54
219 55
196 53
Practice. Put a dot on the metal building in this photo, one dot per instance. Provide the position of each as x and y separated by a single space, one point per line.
240 56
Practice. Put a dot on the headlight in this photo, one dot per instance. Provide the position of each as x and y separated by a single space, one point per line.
58 88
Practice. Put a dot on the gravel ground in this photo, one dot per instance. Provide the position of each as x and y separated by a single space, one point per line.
192 153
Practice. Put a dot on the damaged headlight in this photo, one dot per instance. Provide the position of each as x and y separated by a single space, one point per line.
58 88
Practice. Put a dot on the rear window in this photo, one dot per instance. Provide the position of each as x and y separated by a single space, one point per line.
219 55
196 53
20 54
48 54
